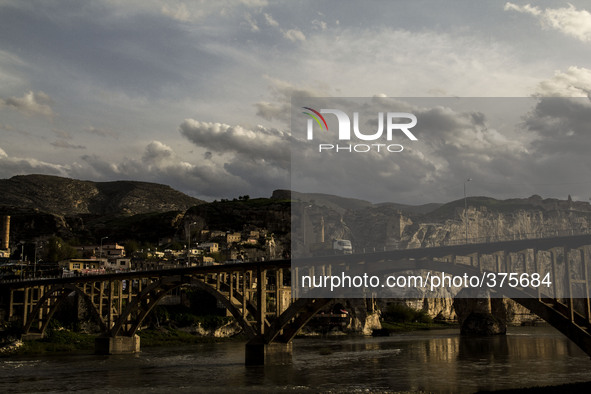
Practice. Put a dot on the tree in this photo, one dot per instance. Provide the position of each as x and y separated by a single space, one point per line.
57 249
131 246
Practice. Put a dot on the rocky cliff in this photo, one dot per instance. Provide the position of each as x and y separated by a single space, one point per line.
386 226
42 205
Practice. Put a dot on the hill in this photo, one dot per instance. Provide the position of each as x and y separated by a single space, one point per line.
65 196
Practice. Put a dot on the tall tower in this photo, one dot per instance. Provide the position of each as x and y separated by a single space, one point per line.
5 232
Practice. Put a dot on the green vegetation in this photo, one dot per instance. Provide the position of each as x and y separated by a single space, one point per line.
59 341
414 326
235 215
167 337
182 316
217 256
149 227
400 318
401 313
57 249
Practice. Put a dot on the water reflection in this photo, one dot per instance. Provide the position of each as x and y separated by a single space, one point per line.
437 361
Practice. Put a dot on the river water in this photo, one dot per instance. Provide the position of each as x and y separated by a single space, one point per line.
437 361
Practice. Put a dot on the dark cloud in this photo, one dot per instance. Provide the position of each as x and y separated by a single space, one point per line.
270 145
157 152
64 135
484 139
66 145
10 166
102 132
32 103
160 164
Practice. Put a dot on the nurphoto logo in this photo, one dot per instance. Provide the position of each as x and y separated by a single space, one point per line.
393 126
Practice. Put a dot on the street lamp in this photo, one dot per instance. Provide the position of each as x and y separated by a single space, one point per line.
189 248
466 208
101 250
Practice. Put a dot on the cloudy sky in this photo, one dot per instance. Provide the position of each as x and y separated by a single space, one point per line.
196 94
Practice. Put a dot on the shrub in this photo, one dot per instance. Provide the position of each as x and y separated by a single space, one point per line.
402 313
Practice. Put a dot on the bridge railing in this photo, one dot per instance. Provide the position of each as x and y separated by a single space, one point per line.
448 242
80 274
519 236
515 236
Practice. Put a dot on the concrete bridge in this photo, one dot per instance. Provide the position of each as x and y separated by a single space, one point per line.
259 294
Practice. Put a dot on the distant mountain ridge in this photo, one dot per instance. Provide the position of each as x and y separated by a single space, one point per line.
343 204
65 196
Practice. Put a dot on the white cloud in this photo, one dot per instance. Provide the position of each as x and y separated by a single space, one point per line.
251 3
157 152
282 92
525 9
406 63
190 11
569 21
32 103
270 145
294 35
179 12
270 21
251 22
11 66
208 179
10 166
574 82
319 24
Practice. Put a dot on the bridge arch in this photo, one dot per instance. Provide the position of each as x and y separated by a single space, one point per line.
48 304
137 311
570 323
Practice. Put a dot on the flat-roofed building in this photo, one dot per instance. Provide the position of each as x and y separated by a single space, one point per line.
83 265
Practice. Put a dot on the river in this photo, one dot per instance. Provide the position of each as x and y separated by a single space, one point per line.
437 361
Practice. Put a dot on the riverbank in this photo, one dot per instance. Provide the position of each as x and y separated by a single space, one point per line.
66 341
581 387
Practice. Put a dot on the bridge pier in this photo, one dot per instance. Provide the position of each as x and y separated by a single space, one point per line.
481 315
117 345
259 353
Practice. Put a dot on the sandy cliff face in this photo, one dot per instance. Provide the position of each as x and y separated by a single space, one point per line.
487 220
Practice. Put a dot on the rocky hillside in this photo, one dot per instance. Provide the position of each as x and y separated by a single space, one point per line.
486 219
64 196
